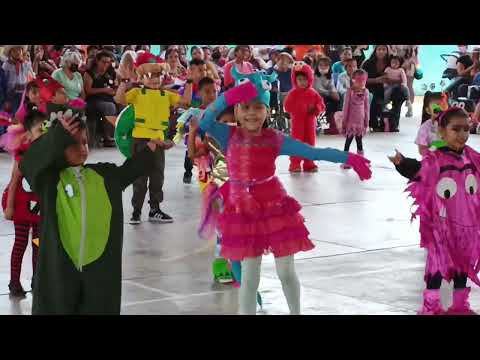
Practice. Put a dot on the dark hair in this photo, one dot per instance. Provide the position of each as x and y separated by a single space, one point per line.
373 56
98 56
229 110
410 52
104 53
452 112
45 57
308 60
32 118
359 72
92 47
197 62
427 98
30 85
193 48
238 48
327 60
204 82
288 49
216 55
169 51
350 60
396 57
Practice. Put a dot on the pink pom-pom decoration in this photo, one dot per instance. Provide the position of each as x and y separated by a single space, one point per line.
241 93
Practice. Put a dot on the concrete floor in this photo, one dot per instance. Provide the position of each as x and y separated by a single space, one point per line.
367 259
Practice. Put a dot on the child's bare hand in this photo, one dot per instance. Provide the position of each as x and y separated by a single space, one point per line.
397 159
193 125
168 144
70 125
9 213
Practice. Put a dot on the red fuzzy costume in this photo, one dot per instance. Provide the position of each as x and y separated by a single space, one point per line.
26 201
304 106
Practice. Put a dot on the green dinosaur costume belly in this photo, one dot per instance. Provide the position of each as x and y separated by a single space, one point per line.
82 199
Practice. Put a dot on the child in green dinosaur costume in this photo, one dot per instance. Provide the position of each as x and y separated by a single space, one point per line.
80 258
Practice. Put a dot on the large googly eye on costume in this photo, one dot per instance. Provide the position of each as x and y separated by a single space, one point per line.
471 184
266 85
243 81
461 105
446 188
26 186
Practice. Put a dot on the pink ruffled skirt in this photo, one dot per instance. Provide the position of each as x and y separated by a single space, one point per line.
264 220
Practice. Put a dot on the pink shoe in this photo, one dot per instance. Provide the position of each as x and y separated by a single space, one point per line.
431 303
460 305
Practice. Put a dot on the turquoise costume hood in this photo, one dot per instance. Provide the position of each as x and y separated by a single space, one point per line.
262 82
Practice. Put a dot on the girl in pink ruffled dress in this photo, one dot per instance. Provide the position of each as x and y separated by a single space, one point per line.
258 216
356 112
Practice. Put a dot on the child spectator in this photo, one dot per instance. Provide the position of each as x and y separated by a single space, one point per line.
396 78
339 66
283 84
345 78
324 85
243 66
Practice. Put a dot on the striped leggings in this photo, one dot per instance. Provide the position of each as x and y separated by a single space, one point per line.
22 231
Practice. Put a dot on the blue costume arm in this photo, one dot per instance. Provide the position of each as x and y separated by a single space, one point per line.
220 132
293 147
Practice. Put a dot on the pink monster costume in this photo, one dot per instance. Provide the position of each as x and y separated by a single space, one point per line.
446 193
258 217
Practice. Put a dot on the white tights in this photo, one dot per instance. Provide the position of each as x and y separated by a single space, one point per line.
251 278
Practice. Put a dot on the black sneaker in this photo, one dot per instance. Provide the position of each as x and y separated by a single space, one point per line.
187 178
16 290
135 219
157 215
